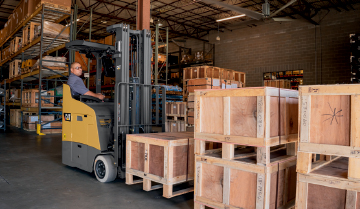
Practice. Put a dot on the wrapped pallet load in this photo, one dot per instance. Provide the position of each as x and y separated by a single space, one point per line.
53 30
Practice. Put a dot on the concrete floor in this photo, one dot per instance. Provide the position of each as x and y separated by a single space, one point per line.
32 176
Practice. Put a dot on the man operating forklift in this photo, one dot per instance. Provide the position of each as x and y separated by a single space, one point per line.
76 84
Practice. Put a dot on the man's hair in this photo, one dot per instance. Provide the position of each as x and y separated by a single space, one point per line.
73 64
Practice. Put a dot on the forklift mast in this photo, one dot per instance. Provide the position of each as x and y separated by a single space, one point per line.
133 93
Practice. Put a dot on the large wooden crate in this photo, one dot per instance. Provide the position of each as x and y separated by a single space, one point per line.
204 83
201 72
165 158
329 124
175 126
176 109
247 116
328 187
30 98
224 183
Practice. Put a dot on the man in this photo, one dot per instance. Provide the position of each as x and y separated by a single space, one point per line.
77 85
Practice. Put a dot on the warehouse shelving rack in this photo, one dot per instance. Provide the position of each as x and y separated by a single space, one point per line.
39 47
3 110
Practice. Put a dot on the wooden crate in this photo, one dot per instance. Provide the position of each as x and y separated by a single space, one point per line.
223 183
176 109
240 76
165 158
201 72
15 45
175 126
29 33
247 116
30 98
285 84
329 124
203 83
328 187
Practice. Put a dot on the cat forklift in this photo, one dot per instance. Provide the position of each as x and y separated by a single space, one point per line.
94 131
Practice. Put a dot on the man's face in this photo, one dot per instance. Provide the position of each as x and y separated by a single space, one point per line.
77 70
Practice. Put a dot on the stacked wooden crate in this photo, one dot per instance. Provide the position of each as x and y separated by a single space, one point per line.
285 84
15 117
190 109
209 77
30 120
14 68
30 98
164 158
256 166
29 32
175 117
15 45
329 125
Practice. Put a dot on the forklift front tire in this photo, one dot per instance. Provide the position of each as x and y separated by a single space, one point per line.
104 168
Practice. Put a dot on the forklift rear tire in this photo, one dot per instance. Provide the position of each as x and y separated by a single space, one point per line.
104 168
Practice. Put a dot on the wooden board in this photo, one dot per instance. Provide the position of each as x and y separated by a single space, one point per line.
330 120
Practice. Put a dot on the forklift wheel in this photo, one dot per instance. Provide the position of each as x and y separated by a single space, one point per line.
104 169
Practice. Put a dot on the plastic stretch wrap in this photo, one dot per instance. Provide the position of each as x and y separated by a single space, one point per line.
60 62
53 29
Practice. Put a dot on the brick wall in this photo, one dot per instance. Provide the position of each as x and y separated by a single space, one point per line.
291 46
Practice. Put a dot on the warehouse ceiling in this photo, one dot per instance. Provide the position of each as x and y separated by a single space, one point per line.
194 18
186 18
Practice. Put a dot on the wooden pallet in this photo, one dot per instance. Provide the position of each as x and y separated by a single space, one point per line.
247 116
15 68
223 183
165 158
329 124
328 188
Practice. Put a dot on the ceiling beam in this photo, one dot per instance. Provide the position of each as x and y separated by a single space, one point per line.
300 13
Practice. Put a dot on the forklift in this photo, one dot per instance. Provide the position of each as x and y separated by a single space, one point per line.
94 131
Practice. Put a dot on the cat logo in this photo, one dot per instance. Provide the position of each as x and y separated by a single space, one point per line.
67 116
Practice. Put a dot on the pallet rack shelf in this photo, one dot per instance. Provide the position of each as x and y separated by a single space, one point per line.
43 44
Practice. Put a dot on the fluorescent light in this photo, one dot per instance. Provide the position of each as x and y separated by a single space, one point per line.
229 18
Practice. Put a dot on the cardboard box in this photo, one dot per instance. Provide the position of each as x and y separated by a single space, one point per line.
28 8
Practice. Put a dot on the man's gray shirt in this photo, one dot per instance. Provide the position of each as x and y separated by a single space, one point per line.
77 85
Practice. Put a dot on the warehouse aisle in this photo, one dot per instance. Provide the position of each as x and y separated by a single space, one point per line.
32 176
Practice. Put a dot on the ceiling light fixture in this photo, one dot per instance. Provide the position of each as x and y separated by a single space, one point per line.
229 18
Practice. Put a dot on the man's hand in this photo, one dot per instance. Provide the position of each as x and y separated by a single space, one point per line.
100 96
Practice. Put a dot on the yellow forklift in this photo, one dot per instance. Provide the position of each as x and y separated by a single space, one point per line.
94 131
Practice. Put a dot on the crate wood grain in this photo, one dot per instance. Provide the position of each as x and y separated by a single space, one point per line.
165 158
330 121
247 116
328 188
222 183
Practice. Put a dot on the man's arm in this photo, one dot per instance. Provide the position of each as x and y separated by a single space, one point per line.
99 96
